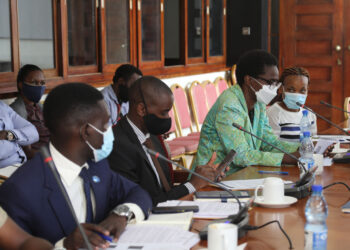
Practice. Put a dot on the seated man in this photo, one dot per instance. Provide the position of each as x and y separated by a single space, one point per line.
116 94
150 103
80 140
245 104
15 132
31 87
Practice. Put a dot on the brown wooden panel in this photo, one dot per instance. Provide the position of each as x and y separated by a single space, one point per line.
313 1
313 48
320 73
312 22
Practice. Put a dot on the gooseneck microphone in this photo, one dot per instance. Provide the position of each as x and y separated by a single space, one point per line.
158 155
334 107
268 143
48 160
322 117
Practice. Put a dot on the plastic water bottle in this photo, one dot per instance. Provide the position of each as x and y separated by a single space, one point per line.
306 151
305 124
316 212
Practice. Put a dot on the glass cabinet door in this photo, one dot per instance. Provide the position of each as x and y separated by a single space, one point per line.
5 37
195 28
216 25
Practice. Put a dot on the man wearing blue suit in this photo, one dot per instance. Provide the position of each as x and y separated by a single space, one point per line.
81 139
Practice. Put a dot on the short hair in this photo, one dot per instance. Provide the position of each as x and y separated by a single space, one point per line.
69 104
147 88
294 71
24 71
125 71
253 63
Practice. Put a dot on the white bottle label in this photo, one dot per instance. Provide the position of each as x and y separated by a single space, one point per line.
315 240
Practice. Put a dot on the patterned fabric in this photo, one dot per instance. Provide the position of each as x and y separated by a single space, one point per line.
218 135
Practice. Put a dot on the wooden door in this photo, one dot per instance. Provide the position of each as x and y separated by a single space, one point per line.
310 33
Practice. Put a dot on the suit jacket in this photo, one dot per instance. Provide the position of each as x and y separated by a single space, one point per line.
19 106
129 159
32 198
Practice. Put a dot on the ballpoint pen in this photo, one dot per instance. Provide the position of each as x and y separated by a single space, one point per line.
273 172
105 237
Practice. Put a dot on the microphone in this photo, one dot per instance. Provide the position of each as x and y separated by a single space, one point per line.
334 107
263 140
48 160
158 155
322 117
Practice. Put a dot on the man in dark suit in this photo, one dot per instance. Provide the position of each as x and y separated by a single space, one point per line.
150 101
81 139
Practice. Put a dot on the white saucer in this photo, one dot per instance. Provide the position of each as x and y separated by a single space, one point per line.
288 200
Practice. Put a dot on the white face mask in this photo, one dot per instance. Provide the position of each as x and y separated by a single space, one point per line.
266 93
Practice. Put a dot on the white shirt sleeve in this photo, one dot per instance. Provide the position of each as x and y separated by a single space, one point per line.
273 115
3 217
139 216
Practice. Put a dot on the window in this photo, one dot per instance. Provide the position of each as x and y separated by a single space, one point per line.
5 37
86 40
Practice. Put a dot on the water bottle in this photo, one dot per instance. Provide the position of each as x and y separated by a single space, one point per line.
316 212
306 151
305 124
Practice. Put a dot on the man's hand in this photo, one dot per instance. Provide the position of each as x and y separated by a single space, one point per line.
208 170
115 225
328 151
75 239
3 135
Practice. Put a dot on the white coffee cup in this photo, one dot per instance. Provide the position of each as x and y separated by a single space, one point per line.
318 161
273 190
222 236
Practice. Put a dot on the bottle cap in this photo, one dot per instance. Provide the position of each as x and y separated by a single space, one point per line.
305 112
306 134
316 188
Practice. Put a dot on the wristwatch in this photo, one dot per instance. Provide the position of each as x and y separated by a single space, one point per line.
10 136
123 210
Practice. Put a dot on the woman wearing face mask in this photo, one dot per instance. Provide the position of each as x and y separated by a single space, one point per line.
245 104
285 116
31 87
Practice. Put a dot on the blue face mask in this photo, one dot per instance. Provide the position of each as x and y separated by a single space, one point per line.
107 146
291 99
33 93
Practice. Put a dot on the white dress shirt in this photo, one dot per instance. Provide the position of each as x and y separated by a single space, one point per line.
74 185
142 138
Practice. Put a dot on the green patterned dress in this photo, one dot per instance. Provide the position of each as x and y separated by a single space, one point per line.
218 135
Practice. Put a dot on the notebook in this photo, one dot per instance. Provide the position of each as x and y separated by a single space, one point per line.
179 220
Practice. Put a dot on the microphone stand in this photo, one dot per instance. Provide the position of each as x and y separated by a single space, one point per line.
323 118
334 107
48 160
268 143
158 155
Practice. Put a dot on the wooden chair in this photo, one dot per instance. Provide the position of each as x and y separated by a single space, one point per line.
199 104
211 93
233 78
221 84
347 107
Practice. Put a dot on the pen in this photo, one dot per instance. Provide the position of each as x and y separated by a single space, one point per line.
273 172
105 237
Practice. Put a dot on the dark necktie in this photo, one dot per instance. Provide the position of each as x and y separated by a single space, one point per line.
85 176
148 143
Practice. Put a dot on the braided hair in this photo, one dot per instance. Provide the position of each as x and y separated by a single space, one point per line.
294 71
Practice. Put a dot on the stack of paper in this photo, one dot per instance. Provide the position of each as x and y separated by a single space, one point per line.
207 209
245 184
180 220
155 237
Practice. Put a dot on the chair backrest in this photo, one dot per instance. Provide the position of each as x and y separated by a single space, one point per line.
347 107
181 108
221 84
198 103
233 74
210 92
173 123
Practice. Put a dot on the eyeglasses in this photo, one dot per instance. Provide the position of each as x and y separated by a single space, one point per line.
272 83
36 83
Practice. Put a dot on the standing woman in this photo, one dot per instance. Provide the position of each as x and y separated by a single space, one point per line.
31 87
285 116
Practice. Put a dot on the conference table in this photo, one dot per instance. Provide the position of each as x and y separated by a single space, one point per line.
292 218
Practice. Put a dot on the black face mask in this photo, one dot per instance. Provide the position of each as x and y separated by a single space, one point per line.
123 93
156 125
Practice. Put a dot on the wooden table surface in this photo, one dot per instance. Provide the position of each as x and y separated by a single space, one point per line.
335 131
292 218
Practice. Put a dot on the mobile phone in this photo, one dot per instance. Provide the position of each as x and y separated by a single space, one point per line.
227 161
174 209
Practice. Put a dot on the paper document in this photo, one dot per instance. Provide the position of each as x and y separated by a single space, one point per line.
327 161
322 145
8 171
180 220
336 138
245 184
207 209
154 237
